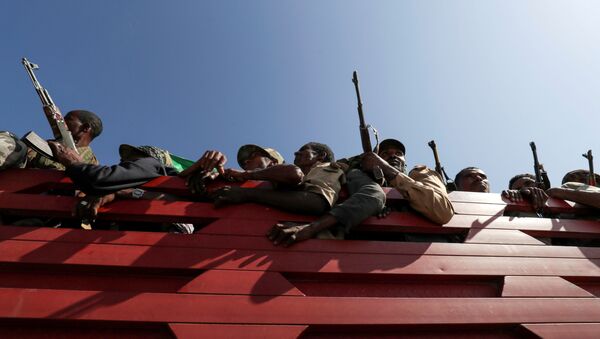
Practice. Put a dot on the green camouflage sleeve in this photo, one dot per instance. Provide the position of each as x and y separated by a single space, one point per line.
36 160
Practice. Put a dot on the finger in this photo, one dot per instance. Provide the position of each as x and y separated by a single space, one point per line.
281 237
274 232
290 240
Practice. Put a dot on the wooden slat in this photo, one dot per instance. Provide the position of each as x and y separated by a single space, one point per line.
491 236
12 251
195 308
559 331
215 241
225 331
531 286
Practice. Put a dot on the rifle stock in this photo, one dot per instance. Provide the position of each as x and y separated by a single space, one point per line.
591 175
450 186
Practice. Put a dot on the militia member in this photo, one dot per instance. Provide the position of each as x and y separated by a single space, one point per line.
472 179
423 188
84 126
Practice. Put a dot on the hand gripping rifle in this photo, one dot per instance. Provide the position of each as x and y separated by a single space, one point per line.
364 132
541 177
55 118
450 186
591 176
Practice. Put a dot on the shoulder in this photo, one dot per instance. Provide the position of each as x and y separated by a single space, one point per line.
422 172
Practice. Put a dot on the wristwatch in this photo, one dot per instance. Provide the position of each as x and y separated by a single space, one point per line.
137 193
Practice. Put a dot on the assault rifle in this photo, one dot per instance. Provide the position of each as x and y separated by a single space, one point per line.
541 177
591 176
55 118
364 132
450 186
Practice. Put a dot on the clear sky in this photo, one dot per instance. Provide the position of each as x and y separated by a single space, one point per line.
482 78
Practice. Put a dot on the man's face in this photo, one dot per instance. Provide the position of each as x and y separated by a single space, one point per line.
257 160
523 182
474 180
306 157
394 157
75 125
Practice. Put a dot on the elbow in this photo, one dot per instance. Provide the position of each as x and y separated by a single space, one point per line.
295 176
442 213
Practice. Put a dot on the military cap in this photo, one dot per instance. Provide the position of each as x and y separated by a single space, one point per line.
246 151
13 152
392 143
163 156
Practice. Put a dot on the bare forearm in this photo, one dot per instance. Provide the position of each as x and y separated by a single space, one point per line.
587 198
284 174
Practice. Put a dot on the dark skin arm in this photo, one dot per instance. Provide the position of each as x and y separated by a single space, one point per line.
290 175
371 160
288 233
536 196
293 201
586 198
64 155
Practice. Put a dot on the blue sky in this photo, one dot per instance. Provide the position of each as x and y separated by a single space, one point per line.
482 78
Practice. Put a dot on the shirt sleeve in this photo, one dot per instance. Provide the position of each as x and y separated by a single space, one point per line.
426 193
97 179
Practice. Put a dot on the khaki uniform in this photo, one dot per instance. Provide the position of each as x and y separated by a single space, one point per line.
36 160
426 193
325 179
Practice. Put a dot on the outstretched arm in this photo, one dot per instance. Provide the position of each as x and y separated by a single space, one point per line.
289 175
583 197
423 188
293 201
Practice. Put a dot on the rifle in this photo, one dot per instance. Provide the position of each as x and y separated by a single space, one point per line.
591 176
450 186
55 118
541 176
364 131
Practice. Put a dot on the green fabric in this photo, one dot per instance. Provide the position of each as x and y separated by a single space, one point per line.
180 163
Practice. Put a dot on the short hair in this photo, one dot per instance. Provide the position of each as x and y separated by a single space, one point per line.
584 174
514 179
90 118
322 148
460 174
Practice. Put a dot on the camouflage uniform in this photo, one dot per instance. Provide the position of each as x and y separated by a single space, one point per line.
36 160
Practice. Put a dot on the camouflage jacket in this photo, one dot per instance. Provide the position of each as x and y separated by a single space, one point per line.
36 160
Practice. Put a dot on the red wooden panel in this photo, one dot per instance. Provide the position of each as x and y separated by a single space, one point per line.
478 209
579 331
240 282
531 286
261 243
217 331
287 261
197 308
491 236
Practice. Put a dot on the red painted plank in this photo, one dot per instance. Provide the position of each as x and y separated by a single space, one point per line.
195 308
217 331
492 236
240 282
579 331
555 287
206 241
287 261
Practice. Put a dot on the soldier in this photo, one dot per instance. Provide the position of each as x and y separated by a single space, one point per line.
523 187
85 126
580 176
253 159
423 188
12 151
315 181
472 179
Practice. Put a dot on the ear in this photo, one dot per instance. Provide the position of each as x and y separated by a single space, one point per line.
85 127
322 156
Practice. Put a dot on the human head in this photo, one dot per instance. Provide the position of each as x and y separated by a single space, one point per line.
521 180
393 151
312 153
84 126
13 152
472 179
129 153
579 175
251 157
